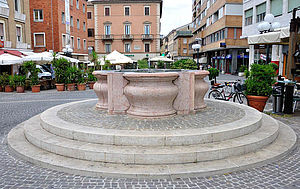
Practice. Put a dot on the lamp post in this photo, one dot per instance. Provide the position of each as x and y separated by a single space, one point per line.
197 47
268 25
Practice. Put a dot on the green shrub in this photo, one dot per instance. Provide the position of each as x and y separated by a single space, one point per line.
60 67
213 74
143 64
107 65
11 81
160 64
19 80
30 67
187 64
260 80
91 77
80 78
242 68
72 74
4 79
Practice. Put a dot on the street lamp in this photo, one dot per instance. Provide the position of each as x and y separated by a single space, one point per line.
68 51
197 47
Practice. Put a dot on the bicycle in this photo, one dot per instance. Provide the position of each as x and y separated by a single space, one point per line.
230 90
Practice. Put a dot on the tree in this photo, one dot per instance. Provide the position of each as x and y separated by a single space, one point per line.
94 59
142 64
187 64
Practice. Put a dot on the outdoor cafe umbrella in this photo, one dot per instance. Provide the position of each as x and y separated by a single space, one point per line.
117 58
8 59
161 58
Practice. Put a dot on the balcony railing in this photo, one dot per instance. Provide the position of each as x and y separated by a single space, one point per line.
21 45
127 37
147 37
107 37
20 17
4 12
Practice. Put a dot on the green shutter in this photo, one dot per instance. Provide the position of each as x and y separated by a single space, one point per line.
276 7
248 13
260 8
293 4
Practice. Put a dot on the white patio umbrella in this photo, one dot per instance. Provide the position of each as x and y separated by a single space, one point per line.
8 59
73 60
39 57
161 58
117 58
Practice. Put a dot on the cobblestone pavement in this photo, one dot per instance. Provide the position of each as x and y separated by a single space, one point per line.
17 173
85 114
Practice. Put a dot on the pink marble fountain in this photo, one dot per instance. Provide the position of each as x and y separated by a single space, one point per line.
151 95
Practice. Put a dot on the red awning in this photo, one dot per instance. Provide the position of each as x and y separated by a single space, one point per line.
12 52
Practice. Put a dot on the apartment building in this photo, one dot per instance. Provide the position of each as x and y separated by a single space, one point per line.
217 26
254 12
14 29
90 27
131 27
57 24
176 43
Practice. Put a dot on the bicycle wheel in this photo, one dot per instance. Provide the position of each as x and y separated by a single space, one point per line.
240 98
215 94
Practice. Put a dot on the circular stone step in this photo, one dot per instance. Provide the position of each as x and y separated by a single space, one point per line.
188 130
283 144
263 136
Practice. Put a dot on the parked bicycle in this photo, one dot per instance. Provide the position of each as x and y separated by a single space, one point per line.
228 91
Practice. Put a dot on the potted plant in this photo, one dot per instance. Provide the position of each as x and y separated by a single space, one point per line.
81 82
9 83
213 74
259 83
2 81
242 70
91 78
72 75
19 81
60 67
32 71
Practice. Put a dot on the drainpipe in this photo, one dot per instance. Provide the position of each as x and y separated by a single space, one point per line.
52 26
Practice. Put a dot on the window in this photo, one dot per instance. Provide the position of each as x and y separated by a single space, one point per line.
107 29
184 50
234 34
77 4
184 41
107 47
71 2
39 39
84 44
147 10
1 31
90 32
106 11
248 17
127 29
147 29
63 18
89 15
276 7
78 24
127 47
71 21
78 43
83 8
126 11
38 15
64 40
147 47
19 33
260 12
72 42
84 26
293 4
17 5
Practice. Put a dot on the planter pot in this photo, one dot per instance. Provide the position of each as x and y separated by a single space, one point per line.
71 87
36 88
241 74
60 87
20 89
81 87
257 102
9 89
91 85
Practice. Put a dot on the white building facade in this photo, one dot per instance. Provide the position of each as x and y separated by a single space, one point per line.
254 12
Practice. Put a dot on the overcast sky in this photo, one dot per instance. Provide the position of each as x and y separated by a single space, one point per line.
175 13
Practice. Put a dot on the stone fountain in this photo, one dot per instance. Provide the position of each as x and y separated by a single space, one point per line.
151 124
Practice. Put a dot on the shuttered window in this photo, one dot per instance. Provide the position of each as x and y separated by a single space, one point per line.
1 31
276 7
260 12
39 40
248 17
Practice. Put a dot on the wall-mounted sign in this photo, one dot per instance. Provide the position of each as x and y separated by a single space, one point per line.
137 47
1 44
223 45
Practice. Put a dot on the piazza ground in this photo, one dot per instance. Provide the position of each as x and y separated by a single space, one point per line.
16 173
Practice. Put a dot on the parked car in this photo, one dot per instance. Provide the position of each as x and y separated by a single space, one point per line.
43 74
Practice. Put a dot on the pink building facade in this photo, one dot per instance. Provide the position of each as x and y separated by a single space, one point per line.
131 27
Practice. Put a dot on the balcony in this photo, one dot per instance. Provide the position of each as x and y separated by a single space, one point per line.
21 45
107 37
127 37
147 37
20 17
4 12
